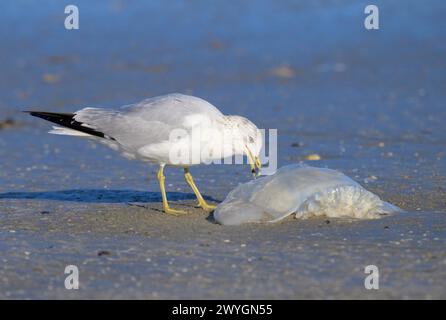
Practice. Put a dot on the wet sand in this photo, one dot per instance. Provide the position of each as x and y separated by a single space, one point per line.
138 252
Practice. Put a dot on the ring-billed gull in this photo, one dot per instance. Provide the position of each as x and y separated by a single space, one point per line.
156 129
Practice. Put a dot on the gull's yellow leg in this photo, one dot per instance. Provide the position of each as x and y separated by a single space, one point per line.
167 209
201 202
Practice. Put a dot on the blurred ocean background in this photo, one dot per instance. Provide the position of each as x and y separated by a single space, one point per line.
365 100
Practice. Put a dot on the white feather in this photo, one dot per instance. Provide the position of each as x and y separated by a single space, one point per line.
68 132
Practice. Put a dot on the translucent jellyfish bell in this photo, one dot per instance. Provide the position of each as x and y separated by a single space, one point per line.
303 190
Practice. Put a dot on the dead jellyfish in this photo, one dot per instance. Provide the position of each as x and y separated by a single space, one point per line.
301 190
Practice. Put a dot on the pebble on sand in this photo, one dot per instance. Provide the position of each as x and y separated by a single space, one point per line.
312 157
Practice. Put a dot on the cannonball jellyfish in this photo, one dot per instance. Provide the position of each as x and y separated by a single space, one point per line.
301 190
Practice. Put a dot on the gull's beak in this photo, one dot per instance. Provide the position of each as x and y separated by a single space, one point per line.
254 163
258 165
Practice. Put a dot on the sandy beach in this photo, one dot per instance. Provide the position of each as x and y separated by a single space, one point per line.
138 252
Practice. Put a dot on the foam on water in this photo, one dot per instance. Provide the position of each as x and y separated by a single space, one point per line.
303 190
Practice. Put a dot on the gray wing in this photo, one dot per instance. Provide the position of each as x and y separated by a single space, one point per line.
149 121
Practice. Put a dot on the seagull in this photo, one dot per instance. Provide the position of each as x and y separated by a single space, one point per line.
166 130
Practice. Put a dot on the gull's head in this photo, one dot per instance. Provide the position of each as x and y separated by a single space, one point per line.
247 140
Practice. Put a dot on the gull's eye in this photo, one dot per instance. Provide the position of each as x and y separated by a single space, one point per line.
251 140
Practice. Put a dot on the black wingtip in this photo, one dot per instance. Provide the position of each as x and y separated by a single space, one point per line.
67 120
33 113
38 113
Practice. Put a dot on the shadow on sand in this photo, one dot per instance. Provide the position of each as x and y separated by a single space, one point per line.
101 196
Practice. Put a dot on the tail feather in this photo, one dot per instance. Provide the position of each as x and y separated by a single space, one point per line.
67 120
68 132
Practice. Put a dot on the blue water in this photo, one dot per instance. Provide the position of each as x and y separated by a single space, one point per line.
350 89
